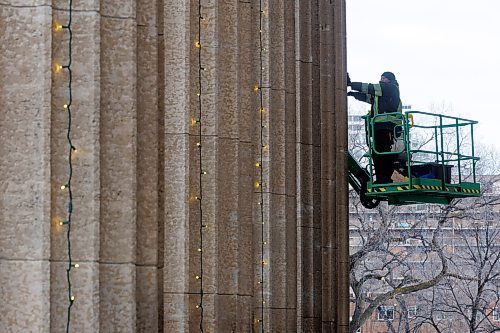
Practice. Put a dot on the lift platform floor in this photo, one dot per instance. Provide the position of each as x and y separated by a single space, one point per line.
422 190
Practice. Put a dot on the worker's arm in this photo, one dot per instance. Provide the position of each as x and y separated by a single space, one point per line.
360 96
368 88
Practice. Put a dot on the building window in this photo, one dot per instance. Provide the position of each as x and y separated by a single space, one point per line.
386 312
412 311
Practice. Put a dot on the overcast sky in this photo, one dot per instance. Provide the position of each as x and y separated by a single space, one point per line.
443 52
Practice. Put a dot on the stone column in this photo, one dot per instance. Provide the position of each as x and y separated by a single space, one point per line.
25 191
178 194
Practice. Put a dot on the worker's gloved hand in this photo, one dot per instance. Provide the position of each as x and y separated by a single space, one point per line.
348 80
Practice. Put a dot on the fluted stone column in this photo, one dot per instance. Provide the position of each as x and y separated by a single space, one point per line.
25 186
164 204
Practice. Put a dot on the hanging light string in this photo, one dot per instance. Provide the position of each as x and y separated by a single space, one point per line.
202 172
72 149
263 146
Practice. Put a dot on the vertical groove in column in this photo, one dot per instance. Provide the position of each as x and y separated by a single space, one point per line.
147 167
118 166
328 166
248 165
160 16
316 166
290 166
342 201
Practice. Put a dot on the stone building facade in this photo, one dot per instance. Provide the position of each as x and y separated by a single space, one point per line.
208 182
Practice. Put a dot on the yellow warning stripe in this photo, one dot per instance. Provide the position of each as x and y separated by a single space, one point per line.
465 190
379 189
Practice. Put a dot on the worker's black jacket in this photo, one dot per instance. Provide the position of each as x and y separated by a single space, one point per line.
384 98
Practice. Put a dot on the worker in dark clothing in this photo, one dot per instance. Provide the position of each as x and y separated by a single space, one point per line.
384 98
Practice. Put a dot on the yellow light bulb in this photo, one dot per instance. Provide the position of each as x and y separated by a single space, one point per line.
199 250
65 106
63 187
197 277
257 184
197 44
194 121
257 164
256 88
72 297
57 67
76 265
56 26
262 110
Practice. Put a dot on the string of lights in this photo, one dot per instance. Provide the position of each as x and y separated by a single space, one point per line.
198 121
72 149
263 146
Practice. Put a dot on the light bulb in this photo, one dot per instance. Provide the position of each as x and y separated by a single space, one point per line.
197 44
63 187
56 26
